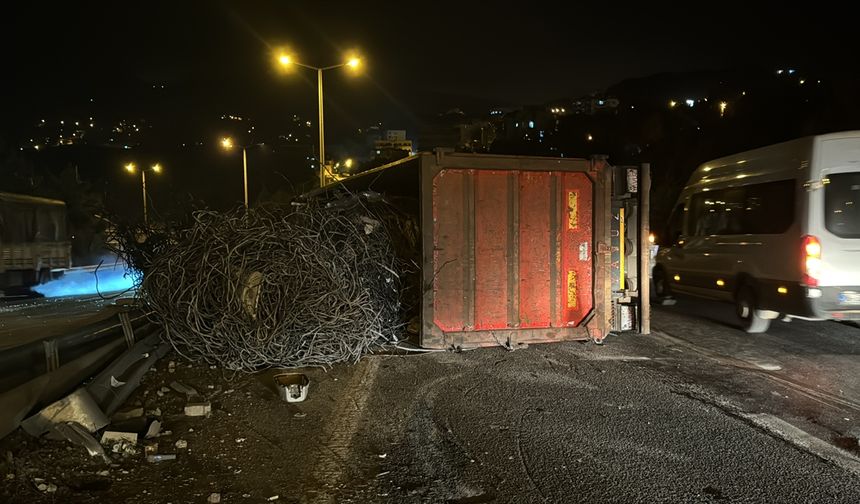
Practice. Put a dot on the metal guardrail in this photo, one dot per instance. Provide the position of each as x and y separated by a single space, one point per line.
37 373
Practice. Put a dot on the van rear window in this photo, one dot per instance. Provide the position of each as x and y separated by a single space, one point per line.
842 205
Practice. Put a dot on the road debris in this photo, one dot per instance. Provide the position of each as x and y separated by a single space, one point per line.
110 437
161 457
184 389
293 268
273 498
198 409
75 433
78 407
153 430
292 387
214 498
127 414
181 444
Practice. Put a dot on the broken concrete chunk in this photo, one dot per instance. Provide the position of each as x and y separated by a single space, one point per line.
111 437
127 414
181 444
184 389
214 498
198 409
153 430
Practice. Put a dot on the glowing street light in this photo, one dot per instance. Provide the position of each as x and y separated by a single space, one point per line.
131 168
723 106
353 62
348 163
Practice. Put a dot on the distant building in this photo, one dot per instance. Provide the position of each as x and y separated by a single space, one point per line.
392 140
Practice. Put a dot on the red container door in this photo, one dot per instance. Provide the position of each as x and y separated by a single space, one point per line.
512 250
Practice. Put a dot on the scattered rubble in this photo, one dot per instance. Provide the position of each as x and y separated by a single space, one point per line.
181 444
214 498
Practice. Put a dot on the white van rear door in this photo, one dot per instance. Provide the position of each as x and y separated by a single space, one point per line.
836 221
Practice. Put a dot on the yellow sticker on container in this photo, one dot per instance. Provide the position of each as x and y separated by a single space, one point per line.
571 289
572 217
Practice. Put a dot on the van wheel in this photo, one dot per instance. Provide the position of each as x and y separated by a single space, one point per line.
748 313
662 291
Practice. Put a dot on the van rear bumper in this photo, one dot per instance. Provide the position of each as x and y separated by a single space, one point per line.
838 303
809 302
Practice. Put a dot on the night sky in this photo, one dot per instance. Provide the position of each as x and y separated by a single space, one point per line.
421 57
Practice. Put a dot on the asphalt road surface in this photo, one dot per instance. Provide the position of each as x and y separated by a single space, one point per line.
697 412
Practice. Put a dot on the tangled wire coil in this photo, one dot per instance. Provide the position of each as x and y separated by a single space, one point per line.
274 287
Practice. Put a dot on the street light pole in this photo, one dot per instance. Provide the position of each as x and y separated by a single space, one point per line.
353 62
131 168
143 180
245 170
322 126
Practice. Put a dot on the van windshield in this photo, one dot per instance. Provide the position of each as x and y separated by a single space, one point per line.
842 205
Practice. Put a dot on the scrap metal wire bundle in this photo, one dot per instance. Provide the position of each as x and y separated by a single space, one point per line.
268 287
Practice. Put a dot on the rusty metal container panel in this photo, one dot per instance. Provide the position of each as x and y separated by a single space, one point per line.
536 254
510 257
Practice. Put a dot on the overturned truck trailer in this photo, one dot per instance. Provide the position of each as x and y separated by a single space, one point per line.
522 249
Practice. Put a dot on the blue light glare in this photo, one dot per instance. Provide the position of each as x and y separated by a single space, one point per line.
80 282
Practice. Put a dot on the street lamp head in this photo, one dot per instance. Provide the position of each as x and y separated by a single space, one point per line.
129 167
227 143
156 167
353 62
285 59
348 163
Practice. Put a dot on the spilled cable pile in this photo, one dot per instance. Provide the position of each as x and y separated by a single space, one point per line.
310 285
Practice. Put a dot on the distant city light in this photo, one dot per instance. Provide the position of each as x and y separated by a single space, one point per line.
348 163
672 103
531 124
589 137
802 81
723 106
779 72
790 71
690 102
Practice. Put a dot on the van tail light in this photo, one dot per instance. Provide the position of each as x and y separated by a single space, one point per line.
811 254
